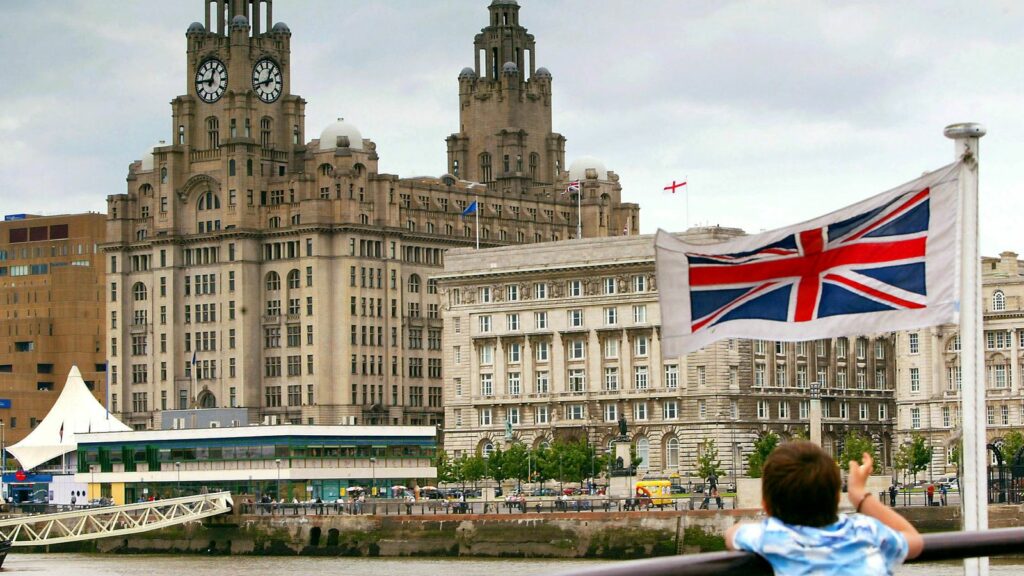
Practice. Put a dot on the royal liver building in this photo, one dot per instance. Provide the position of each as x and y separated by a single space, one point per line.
250 266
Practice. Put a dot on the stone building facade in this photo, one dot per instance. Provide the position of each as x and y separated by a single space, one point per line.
52 304
930 379
558 340
251 267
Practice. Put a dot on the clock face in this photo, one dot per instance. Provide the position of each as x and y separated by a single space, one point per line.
211 80
266 80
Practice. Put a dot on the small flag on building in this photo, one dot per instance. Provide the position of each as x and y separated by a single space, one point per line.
61 433
469 209
672 187
572 188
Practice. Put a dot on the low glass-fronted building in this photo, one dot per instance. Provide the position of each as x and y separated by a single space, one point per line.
282 461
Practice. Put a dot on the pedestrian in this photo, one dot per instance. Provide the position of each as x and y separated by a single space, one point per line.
931 494
73 500
943 492
892 495
804 532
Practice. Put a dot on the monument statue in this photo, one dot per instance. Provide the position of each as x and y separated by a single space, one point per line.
622 427
508 430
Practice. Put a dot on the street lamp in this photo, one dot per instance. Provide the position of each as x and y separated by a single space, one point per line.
3 462
815 391
732 444
92 479
277 462
177 465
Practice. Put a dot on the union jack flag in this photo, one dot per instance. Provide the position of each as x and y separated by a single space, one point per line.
572 188
887 263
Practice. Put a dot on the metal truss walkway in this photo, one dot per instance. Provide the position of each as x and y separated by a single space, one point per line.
93 523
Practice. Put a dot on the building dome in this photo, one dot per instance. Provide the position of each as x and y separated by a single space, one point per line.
329 137
504 3
542 72
510 69
282 28
196 28
578 168
239 22
467 73
147 158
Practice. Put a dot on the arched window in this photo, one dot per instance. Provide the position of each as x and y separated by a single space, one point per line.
643 452
455 168
275 222
485 167
212 133
293 279
326 169
163 175
296 219
487 449
209 201
273 281
414 283
364 219
139 291
146 190
998 301
672 454
266 132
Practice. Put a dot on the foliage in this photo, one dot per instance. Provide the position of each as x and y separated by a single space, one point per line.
515 463
800 434
913 457
445 467
474 468
854 446
707 460
1012 442
496 465
762 448
956 455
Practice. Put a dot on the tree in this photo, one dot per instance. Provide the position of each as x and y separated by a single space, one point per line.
515 462
474 468
854 446
707 460
918 456
956 455
762 448
445 467
1012 442
496 465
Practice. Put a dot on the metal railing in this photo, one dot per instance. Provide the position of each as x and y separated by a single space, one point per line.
937 546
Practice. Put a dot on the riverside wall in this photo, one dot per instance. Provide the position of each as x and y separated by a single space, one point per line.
610 535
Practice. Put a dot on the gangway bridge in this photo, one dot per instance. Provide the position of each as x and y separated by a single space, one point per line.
107 521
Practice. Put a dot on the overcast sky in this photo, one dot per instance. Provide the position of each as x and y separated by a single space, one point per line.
774 111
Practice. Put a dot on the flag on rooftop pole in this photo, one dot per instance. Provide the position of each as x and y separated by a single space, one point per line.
471 209
672 187
886 263
572 188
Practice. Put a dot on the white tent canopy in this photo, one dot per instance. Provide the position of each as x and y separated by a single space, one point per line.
75 411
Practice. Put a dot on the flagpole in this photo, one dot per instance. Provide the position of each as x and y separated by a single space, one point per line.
687 180
476 217
579 211
974 489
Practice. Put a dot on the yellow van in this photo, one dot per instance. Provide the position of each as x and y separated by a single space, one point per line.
658 491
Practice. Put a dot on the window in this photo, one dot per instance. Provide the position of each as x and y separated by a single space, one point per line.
913 341
575 288
841 346
862 348
515 353
702 409
611 378
611 316
577 349
543 382
487 354
998 301
575 318
574 411
541 415
640 377
759 370
512 292
780 375
514 384
485 295
487 384
945 417
640 346
997 376
915 418
640 413
783 410
1004 414
512 322
879 350
639 283
540 319
804 409
513 416
577 379
915 379
540 291
671 376
640 314
862 411
543 351
671 410
611 412
485 416
801 376
611 348
997 339
702 376
485 324
762 409
610 286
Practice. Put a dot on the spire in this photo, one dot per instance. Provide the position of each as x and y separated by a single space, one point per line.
504 41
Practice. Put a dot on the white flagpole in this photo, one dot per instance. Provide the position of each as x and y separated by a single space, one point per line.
476 216
579 210
974 486
687 180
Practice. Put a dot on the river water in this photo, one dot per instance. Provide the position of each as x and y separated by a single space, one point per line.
166 565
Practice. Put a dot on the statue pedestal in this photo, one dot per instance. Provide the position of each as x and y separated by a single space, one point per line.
620 484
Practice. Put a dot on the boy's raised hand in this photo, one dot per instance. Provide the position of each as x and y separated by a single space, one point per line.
858 477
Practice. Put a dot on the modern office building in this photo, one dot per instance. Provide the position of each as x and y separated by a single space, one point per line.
928 395
559 340
250 266
52 305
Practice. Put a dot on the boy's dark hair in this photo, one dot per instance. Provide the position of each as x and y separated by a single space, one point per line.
800 485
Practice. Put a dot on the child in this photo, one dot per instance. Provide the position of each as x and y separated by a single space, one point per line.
804 533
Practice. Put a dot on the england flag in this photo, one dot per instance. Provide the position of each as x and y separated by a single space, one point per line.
886 263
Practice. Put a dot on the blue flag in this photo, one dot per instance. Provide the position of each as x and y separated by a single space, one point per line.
471 209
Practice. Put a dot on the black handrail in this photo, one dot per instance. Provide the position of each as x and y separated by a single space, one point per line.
937 546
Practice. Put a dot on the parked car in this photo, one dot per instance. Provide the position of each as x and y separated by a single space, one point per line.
677 489
950 482
544 492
